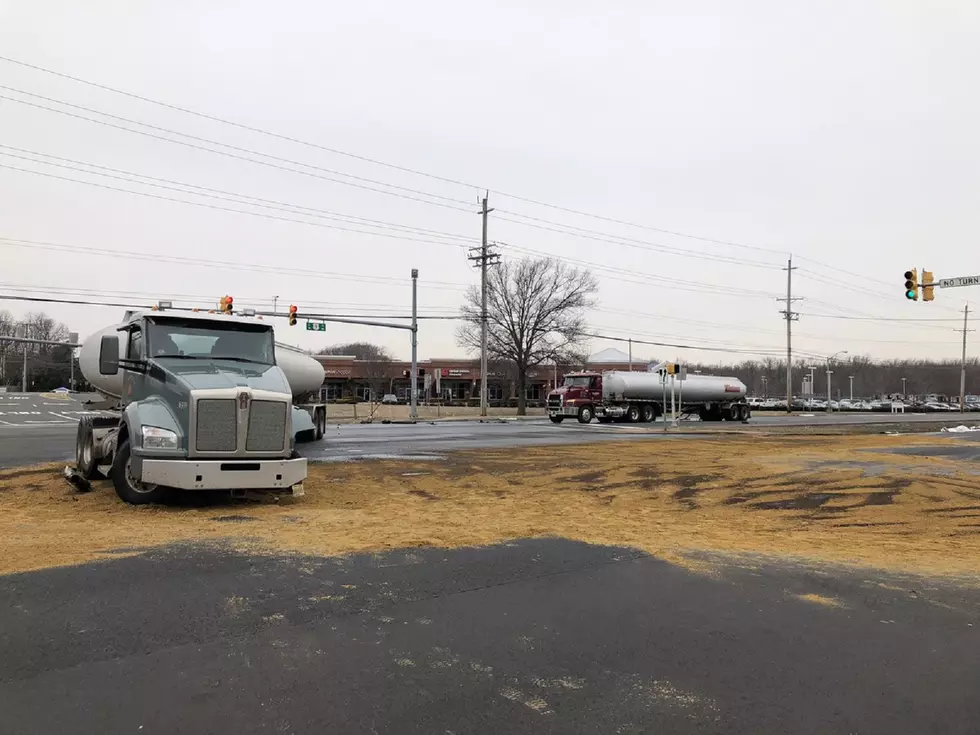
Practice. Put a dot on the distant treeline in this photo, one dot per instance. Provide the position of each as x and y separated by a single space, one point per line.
871 378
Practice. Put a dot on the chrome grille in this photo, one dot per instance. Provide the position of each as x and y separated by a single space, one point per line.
554 402
217 425
266 427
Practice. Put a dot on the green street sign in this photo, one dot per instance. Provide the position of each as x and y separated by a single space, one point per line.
316 326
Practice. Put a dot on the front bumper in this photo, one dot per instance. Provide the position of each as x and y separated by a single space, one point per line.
563 410
217 474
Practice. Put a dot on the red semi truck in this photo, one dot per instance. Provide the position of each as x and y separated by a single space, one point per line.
617 395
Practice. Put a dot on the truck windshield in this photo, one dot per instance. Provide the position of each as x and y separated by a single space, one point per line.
211 340
582 380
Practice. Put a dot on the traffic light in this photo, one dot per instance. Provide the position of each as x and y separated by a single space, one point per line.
912 284
927 286
292 315
226 304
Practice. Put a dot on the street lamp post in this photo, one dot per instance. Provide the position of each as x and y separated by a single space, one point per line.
829 373
904 392
765 386
851 378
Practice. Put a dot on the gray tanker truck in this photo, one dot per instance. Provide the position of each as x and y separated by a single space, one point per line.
196 401
638 397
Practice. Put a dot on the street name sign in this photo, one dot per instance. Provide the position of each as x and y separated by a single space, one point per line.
960 281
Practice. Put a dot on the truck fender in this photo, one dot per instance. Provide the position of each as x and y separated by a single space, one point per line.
149 412
304 430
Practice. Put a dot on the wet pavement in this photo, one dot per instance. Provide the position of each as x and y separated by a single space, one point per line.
536 636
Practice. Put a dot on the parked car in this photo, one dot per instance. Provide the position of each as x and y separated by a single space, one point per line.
389 398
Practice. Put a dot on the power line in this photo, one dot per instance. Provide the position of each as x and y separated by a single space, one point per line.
406 169
879 318
277 270
172 296
251 200
674 283
81 302
211 150
374 161
588 234
220 208
677 346
370 160
232 123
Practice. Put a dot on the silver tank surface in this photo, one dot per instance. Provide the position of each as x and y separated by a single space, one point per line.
618 386
303 373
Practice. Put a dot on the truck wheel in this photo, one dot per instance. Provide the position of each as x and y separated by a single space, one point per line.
633 414
85 463
556 419
744 413
127 487
585 415
648 413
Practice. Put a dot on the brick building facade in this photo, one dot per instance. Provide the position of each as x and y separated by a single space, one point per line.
449 381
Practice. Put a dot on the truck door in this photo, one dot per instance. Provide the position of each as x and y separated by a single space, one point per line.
132 379
595 388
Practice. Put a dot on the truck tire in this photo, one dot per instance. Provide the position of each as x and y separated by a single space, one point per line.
633 414
85 463
556 419
649 413
585 415
129 489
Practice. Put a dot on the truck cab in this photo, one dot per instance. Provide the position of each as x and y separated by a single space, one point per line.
202 405
576 397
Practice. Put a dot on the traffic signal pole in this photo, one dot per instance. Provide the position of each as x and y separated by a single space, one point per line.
966 311
414 410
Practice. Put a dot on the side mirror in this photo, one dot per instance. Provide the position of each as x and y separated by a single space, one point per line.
109 355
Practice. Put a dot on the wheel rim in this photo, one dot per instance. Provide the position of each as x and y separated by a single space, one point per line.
586 414
137 487
87 452
634 414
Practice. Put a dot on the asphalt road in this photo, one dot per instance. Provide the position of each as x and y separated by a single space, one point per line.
544 636
41 428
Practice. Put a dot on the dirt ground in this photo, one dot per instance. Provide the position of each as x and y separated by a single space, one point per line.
810 498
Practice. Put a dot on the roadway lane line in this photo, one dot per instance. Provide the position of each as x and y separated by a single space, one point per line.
7 423
62 416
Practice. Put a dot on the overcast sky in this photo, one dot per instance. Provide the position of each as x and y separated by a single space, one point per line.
845 133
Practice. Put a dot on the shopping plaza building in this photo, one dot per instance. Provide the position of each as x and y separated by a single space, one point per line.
449 381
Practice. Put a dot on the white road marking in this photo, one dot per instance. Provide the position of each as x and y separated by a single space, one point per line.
62 416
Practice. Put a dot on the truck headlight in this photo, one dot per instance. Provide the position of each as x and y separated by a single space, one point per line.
156 438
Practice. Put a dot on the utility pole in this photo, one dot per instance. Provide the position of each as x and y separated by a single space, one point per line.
414 390
790 316
851 378
631 353
829 397
485 258
23 379
904 392
966 311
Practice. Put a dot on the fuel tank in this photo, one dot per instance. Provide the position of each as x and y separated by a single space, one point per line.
303 373
618 386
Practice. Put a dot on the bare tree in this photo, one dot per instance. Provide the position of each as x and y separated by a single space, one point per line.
535 313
